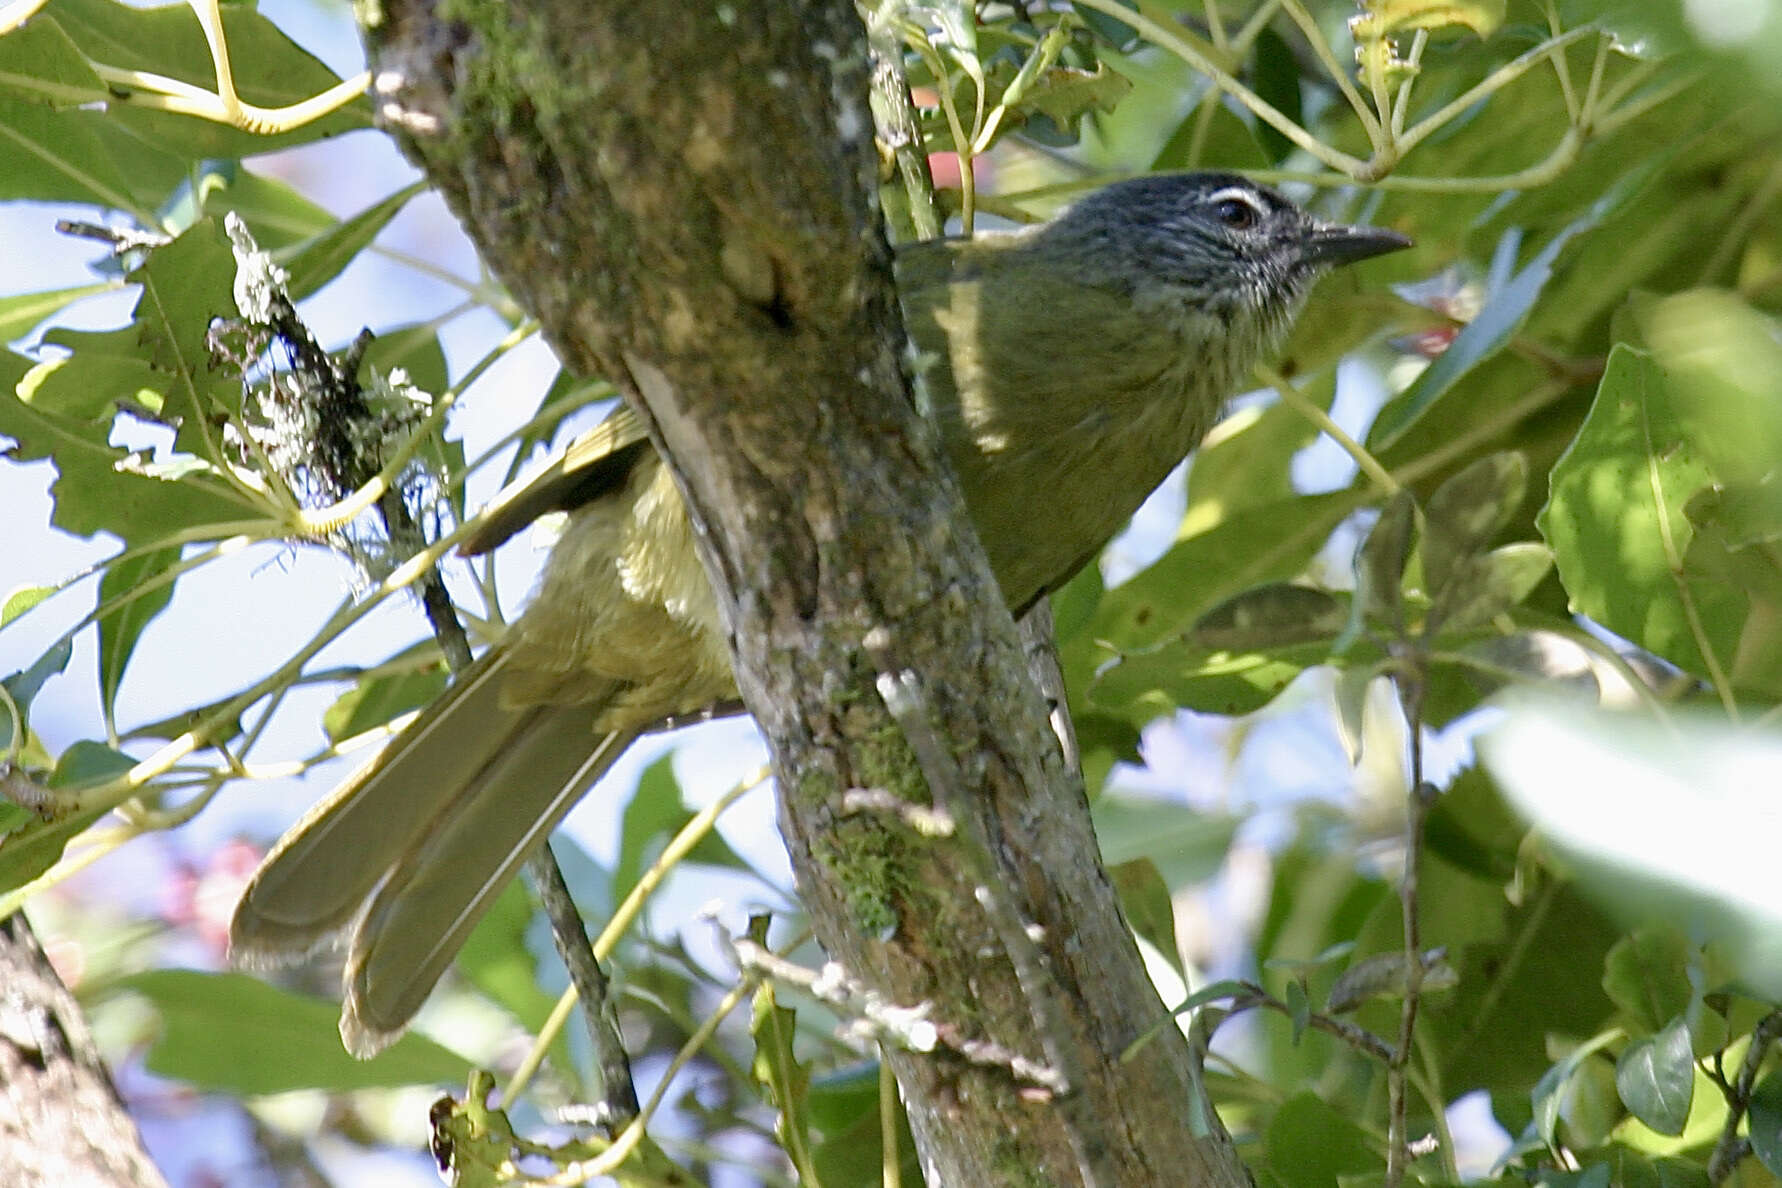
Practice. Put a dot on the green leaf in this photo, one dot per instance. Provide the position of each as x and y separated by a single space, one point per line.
1270 542
1309 1144
24 312
1235 660
234 1033
1506 310
1617 501
1186 845
271 70
375 700
1397 16
1647 975
1145 900
1383 976
1765 1122
187 285
1380 564
36 845
81 156
654 816
1479 589
1550 1092
138 579
39 64
1656 1078
324 257
778 1069
1463 514
87 762
280 218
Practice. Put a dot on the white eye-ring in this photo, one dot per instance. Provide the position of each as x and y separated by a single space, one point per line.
1235 209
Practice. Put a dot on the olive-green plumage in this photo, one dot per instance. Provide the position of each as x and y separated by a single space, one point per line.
1069 366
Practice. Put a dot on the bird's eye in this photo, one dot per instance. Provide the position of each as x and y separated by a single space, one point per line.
1236 214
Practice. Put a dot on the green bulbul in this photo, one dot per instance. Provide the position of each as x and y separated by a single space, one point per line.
1070 366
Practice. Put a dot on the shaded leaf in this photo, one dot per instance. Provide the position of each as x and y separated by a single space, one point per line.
1380 565
1186 845
1765 1122
1646 974
234 1033
1656 1078
1463 514
375 700
1309 1144
120 629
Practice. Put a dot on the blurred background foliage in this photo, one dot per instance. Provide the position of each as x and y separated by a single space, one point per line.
1517 485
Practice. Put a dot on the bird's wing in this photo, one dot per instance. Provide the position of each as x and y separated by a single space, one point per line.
594 464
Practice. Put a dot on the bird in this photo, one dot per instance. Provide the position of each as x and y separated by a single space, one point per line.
1069 366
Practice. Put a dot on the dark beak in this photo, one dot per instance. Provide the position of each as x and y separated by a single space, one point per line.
1333 243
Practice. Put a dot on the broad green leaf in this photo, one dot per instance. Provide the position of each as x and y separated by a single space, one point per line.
1187 846
1309 1144
36 845
81 156
1615 519
88 762
38 64
1236 659
1463 514
1380 564
1270 542
280 218
136 582
1647 976
844 1106
1145 900
271 70
1720 358
21 600
1479 589
234 1033
186 286
1656 1078
375 700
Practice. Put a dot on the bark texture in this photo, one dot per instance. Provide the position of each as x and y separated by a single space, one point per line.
61 1121
685 197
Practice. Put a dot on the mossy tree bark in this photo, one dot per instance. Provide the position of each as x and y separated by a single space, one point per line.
684 196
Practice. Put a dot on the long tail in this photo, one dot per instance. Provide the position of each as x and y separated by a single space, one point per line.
429 833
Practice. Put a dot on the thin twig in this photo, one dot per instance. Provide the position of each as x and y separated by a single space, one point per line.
1731 1149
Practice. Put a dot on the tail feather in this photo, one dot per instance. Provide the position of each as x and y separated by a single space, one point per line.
436 892
407 854
313 884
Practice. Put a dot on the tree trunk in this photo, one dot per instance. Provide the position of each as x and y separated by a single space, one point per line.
61 1121
684 195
